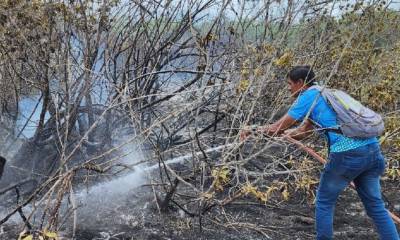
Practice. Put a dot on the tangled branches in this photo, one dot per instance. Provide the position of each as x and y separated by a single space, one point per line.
173 83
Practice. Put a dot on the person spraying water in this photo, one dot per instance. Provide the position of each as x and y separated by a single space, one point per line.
354 151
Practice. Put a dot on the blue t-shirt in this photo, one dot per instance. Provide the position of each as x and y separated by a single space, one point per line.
325 117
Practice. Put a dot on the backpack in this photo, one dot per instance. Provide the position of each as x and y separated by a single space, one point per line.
354 119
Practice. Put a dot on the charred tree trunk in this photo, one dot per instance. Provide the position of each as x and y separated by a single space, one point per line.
2 164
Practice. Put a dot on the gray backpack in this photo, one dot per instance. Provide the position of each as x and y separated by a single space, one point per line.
354 119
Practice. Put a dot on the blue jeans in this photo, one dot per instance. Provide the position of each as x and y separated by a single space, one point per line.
363 166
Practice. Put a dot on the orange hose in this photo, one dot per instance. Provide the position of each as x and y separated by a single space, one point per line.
310 151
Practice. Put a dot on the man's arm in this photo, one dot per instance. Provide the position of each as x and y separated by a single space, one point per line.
301 132
278 127
281 125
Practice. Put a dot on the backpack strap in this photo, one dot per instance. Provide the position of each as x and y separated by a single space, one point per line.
312 105
320 89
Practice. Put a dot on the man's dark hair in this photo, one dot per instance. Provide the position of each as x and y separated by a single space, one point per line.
304 73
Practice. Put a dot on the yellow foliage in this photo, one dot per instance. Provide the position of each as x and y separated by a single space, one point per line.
246 63
306 182
393 173
391 138
268 49
258 71
207 195
285 60
221 177
264 196
368 69
249 189
211 37
285 194
41 235
51 235
243 85
391 142
245 72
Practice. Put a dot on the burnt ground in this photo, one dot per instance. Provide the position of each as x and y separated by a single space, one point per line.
240 220
131 213
136 217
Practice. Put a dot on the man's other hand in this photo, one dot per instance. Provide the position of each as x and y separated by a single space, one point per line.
245 133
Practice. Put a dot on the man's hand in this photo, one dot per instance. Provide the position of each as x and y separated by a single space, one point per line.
290 132
261 130
272 129
300 132
245 133
269 130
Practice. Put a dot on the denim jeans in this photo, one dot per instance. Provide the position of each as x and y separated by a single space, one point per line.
364 166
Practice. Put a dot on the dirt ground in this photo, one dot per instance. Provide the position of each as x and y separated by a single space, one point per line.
136 217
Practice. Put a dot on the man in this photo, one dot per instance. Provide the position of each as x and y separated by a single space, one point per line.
350 159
